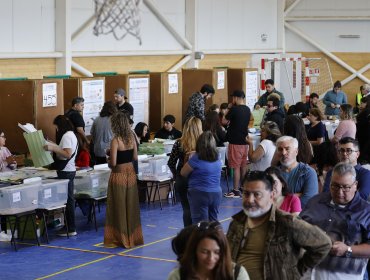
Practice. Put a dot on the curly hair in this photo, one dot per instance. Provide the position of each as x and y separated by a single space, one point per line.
121 128
191 131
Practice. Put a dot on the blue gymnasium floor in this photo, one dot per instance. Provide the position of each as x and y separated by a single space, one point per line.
84 257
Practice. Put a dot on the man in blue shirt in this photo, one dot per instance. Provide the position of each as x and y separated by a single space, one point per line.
345 217
300 177
348 152
333 99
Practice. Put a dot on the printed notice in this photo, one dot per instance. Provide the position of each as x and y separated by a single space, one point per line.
95 183
251 85
16 196
49 95
47 193
220 79
173 83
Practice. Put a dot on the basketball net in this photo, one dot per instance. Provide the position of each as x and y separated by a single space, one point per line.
120 17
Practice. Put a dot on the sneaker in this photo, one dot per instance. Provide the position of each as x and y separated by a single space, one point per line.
233 194
63 233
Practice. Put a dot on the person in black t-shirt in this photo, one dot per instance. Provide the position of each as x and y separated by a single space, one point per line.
239 116
75 116
168 131
122 104
274 113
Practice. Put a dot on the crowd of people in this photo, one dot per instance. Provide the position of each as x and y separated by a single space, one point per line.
305 195
305 209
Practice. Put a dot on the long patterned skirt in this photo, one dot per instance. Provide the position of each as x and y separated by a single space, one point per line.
122 224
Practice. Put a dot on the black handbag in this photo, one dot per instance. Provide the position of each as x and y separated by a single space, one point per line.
60 164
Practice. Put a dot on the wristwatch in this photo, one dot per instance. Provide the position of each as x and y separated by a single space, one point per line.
349 252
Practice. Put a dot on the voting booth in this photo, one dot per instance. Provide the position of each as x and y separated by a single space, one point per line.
165 98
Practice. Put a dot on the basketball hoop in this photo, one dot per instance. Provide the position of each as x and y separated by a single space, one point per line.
120 17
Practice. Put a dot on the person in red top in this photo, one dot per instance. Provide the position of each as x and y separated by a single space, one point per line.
83 155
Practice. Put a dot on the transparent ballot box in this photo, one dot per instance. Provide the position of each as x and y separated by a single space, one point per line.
53 193
222 154
92 184
154 168
19 198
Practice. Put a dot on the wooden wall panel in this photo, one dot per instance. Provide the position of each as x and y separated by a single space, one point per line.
125 64
30 68
355 60
16 106
44 116
228 60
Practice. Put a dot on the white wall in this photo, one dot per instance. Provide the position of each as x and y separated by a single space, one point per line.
237 24
29 26
327 32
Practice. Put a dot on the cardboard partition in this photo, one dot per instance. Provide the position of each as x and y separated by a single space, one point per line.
165 99
220 84
192 81
48 104
112 83
16 106
70 90
245 79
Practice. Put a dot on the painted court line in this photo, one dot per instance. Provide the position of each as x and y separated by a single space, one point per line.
148 244
74 267
147 258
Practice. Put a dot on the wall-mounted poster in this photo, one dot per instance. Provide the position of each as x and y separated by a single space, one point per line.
173 83
220 79
93 93
139 98
251 85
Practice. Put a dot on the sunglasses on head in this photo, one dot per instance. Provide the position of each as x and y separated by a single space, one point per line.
209 225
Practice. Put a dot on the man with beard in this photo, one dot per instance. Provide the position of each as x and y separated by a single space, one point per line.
269 243
300 177
312 103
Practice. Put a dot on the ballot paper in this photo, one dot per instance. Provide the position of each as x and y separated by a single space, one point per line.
35 142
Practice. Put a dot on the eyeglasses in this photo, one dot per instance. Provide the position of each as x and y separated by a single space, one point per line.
347 151
209 225
269 105
345 188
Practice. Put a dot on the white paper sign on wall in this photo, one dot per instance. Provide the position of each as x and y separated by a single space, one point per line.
49 95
